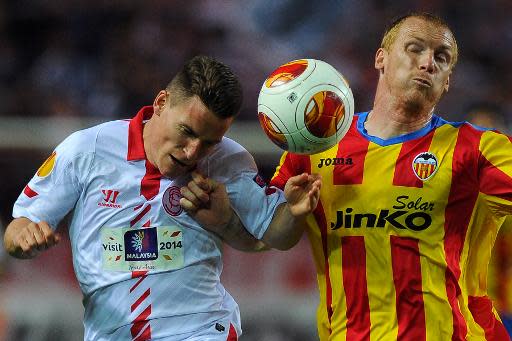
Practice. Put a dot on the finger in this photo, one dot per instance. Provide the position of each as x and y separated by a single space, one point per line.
38 236
317 184
299 180
27 237
26 246
314 196
52 238
212 184
188 206
315 176
198 192
187 194
201 181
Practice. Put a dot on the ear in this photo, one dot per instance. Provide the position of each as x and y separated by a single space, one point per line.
447 84
380 55
159 102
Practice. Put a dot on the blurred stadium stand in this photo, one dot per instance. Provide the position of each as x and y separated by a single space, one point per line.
68 65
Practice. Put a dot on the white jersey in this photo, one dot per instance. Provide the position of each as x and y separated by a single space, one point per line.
147 270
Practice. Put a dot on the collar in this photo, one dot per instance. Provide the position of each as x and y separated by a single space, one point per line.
362 117
135 139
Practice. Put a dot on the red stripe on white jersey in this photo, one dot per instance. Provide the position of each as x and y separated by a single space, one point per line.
150 184
149 188
137 329
141 299
232 334
141 275
29 192
140 215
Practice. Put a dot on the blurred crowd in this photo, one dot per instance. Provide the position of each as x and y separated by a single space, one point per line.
108 58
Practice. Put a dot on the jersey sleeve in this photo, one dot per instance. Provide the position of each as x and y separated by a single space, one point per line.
57 184
290 165
495 172
250 197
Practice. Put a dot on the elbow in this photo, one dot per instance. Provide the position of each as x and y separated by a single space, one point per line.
283 244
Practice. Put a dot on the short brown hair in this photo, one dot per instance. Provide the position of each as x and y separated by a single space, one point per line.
212 81
391 31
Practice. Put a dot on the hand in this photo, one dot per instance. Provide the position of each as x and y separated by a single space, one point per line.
207 202
303 193
33 238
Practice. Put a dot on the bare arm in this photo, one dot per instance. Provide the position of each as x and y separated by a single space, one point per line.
25 239
207 202
236 235
287 227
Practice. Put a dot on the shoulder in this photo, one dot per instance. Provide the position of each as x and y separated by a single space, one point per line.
438 121
228 148
228 158
86 141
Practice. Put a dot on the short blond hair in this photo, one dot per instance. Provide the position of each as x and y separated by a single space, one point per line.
391 31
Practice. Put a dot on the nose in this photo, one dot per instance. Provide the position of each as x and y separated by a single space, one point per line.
427 62
192 149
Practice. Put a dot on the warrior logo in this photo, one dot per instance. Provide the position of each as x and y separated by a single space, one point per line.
425 165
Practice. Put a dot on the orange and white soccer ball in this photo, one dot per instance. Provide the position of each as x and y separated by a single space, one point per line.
305 106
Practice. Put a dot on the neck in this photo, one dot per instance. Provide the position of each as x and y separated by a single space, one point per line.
146 135
388 119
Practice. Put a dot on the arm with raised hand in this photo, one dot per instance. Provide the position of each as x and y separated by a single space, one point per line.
302 193
207 202
25 239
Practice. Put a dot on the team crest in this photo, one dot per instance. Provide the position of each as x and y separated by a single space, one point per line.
171 201
425 165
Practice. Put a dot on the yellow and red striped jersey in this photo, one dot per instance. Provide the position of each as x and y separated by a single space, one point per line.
403 231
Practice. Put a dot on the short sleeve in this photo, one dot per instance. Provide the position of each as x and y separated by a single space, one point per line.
57 184
251 198
495 172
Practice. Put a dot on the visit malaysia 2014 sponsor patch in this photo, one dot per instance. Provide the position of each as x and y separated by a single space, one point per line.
425 165
151 248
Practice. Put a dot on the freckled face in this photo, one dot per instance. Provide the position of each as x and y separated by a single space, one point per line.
177 137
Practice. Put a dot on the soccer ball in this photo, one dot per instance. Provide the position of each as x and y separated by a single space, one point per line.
305 106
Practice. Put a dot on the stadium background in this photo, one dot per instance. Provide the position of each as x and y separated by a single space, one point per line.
69 65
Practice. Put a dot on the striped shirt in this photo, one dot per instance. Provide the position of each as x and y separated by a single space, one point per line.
147 270
404 229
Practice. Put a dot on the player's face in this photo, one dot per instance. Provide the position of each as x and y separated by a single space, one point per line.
417 67
182 134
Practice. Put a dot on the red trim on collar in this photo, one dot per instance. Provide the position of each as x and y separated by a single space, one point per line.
135 140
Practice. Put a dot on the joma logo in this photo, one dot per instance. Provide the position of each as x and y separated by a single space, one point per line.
334 161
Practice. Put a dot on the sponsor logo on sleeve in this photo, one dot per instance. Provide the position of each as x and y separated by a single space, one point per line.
47 166
258 179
